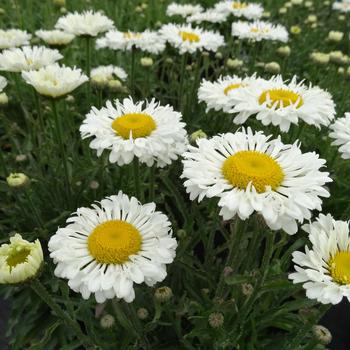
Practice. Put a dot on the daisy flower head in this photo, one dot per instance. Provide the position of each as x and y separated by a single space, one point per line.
20 260
283 103
342 6
101 75
108 247
190 39
27 58
87 23
250 172
324 268
55 81
219 95
259 30
13 38
210 15
340 132
55 37
240 9
148 41
183 10
146 130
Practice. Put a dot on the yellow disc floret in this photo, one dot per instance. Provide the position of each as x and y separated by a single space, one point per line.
19 255
188 36
138 124
252 166
131 35
339 267
237 5
114 241
281 98
232 87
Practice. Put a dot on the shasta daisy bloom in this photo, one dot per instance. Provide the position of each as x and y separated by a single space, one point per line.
211 16
55 37
341 135
259 30
55 80
342 6
13 38
240 9
105 249
148 131
190 39
184 10
283 103
87 23
101 75
324 268
219 95
148 41
27 58
250 172
20 260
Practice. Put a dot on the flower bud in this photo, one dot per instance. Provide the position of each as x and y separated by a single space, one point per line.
247 289
272 67
94 185
59 3
181 234
282 10
218 56
311 19
320 57
17 180
115 85
322 334
21 158
335 36
216 319
146 61
227 271
107 321
4 100
284 51
296 30
199 134
142 313
163 294
234 63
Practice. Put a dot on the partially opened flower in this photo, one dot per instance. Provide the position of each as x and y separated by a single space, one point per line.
259 30
190 39
108 247
211 16
283 103
219 95
102 75
183 10
20 260
148 131
324 268
240 9
148 41
13 38
27 58
3 83
340 132
55 80
55 37
87 23
250 172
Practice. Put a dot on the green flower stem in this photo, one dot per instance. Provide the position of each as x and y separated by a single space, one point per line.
137 183
137 325
59 136
182 80
39 111
88 66
3 163
151 183
34 209
43 293
132 72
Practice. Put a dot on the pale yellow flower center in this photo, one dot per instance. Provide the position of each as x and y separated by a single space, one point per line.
131 35
259 30
233 87
138 124
114 241
188 36
17 256
339 267
284 98
252 166
237 5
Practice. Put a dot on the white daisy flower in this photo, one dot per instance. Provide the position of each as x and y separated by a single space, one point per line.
259 30
342 6
283 103
219 95
55 80
20 260
27 58
324 269
240 9
107 248
341 135
190 39
13 38
148 41
101 75
86 23
183 10
249 172
55 37
211 16
3 83
148 131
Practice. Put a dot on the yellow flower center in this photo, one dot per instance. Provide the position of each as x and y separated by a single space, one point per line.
113 241
17 256
138 124
233 87
131 35
252 166
259 30
339 267
188 36
237 5
282 97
